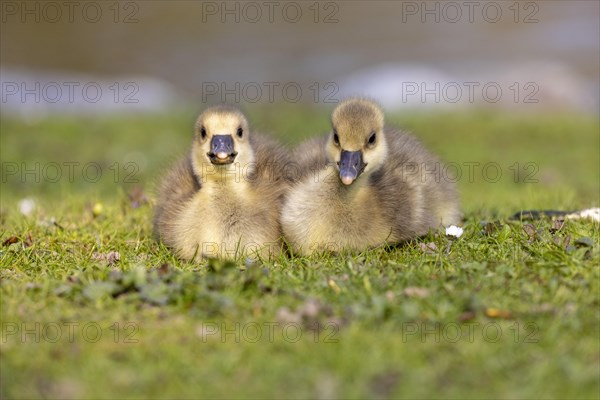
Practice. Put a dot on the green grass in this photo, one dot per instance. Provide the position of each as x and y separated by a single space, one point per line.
509 310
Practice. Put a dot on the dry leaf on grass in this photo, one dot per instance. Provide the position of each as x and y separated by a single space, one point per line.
28 242
428 248
10 240
531 231
110 257
557 225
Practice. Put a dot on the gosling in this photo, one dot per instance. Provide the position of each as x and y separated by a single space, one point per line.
365 185
223 200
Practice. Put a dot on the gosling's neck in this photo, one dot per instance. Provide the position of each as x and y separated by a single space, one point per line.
352 190
232 175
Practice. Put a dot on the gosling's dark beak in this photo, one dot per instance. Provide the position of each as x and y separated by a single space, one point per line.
221 150
351 166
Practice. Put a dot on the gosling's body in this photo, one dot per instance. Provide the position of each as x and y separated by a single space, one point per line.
227 209
398 193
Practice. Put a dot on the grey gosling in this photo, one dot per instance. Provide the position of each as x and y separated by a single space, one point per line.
223 200
365 185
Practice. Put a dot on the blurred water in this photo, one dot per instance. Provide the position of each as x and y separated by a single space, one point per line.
34 94
182 49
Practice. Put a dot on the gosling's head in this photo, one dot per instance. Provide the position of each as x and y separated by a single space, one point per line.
221 140
357 144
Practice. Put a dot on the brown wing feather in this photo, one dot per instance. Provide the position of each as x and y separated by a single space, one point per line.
177 186
413 188
274 169
310 156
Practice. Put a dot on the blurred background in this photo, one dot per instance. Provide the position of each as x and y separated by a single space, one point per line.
118 84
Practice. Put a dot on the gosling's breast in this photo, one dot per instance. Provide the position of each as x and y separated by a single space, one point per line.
321 216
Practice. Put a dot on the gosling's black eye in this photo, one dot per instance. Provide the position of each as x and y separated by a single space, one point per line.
203 132
336 138
240 132
372 138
